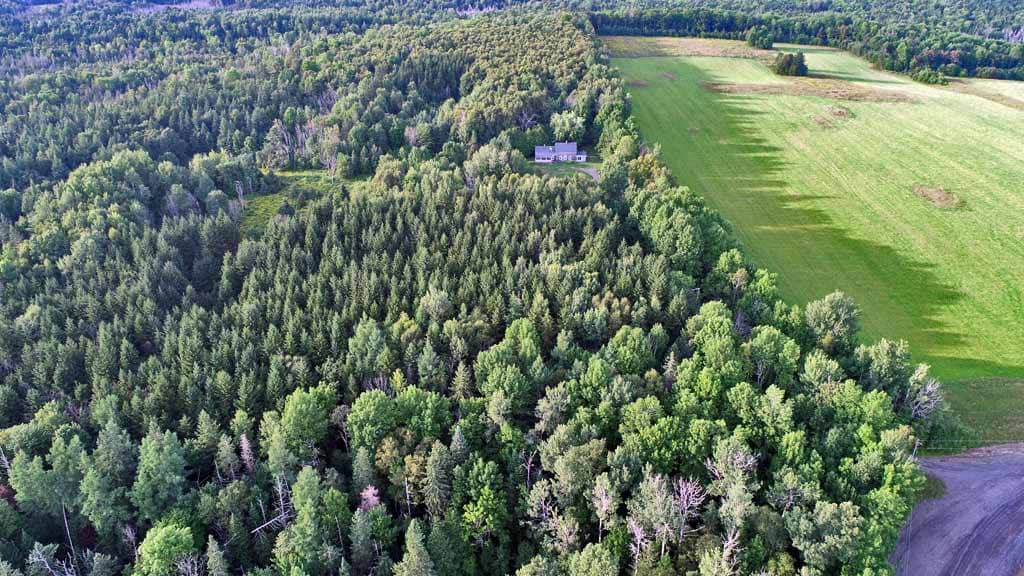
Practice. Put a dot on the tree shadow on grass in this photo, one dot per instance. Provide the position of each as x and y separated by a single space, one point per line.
852 78
788 232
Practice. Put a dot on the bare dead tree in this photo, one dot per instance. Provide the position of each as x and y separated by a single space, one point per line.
248 460
639 542
924 395
190 565
130 538
67 530
240 191
39 558
284 512
411 136
378 382
602 501
528 465
339 417
369 498
739 460
408 496
669 369
566 530
326 99
730 549
689 496
526 120
786 497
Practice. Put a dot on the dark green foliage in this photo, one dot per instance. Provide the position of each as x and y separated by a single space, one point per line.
899 38
788 64
929 76
760 37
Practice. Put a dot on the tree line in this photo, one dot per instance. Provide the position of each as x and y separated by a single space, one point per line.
891 45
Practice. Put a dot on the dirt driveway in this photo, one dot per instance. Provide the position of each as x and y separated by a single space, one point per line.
977 527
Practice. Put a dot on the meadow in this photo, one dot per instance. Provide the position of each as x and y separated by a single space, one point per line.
297 188
906 196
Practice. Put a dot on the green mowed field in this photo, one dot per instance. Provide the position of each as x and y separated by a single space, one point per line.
908 197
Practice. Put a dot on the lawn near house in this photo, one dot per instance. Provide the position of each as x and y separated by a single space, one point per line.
908 197
568 169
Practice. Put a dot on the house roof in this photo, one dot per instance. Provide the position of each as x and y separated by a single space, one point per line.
565 148
543 150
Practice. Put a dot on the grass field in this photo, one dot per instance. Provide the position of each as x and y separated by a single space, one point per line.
839 181
297 186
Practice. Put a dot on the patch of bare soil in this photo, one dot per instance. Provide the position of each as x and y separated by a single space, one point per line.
823 87
640 46
938 196
974 90
831 116
975 527
838 112
823 121
638 83
669 76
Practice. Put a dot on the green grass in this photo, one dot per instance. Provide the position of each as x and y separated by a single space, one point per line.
833 206
297 186
258 211
567 169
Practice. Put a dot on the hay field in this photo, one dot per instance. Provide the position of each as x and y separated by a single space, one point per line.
908 197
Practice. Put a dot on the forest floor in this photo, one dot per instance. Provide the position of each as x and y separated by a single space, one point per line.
974 526
907 197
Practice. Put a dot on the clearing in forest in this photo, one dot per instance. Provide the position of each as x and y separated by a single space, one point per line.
908 197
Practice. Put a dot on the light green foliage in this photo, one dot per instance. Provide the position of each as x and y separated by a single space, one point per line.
827 535
485 513
594 560
425 414
299 547
36 484
373 416
567 126
216 563
306 417
160 477
163 546
630 352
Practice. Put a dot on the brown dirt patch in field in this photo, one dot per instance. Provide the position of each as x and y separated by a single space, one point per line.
669 76
823 121
938 196
838 112
825 88
964 87
638 83
641 46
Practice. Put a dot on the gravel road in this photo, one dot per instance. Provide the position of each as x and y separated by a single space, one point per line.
977 527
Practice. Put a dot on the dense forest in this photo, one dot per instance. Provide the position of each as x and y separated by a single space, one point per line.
889 44
1003 19
462 368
